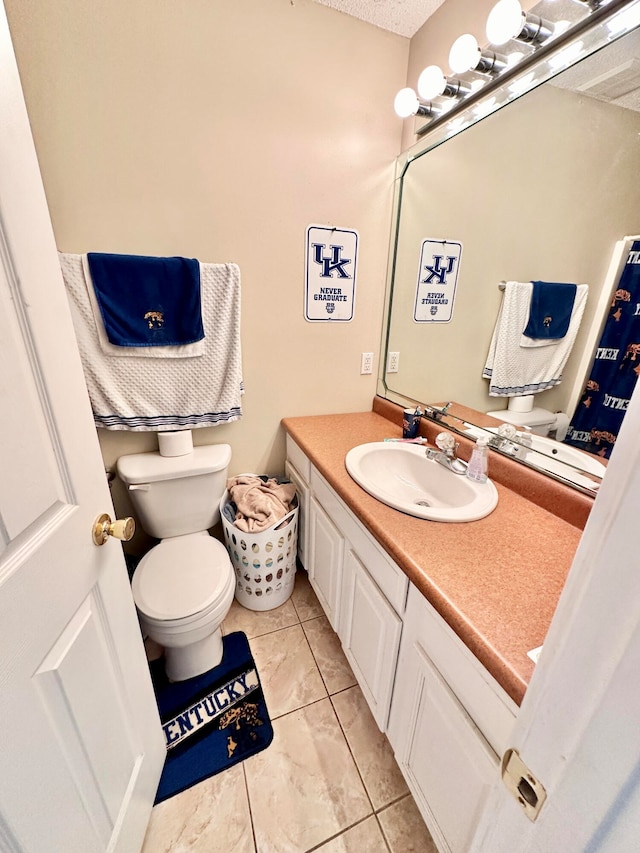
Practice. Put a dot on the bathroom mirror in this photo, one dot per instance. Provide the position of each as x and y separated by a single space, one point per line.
543 188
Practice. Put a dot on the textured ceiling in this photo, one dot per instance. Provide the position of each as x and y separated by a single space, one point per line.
404 17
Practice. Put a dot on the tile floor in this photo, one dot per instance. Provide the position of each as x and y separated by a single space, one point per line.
328 782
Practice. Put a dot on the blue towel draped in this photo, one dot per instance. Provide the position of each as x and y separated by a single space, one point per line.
550 310
146 301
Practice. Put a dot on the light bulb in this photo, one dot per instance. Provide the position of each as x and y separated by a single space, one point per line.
465 54
431 82
406 103
505 21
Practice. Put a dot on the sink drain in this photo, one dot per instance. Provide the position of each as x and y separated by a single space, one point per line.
422 503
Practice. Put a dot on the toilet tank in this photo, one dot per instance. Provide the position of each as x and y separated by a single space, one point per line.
176 495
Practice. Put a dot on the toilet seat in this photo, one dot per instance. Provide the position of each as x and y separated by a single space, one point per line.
182 579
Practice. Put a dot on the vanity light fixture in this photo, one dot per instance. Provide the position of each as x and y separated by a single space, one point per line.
432 83
466 55
406 104
508 21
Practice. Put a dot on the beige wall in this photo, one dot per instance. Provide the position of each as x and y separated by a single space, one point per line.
220 130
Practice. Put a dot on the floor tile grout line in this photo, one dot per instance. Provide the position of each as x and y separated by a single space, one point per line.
304 705
341 833
353 757
374 812
393 802
371 814
253 828
383 833
315 659
301 708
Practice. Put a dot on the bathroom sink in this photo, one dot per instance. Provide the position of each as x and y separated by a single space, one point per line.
401 476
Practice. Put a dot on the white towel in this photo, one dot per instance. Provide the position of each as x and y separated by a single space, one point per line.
160 394
514 369
179 351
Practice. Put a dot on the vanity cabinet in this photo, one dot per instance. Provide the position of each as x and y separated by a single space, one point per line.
446 717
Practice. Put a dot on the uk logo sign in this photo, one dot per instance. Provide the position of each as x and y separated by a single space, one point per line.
437 281
330 280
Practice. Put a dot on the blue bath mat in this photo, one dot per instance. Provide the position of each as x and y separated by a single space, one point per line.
212 721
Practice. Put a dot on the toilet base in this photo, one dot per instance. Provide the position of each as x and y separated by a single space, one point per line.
182 662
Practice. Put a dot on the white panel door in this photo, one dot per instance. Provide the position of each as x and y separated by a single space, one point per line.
370 632
81 742
449 766
325 562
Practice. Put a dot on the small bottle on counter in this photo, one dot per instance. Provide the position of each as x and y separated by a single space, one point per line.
478 464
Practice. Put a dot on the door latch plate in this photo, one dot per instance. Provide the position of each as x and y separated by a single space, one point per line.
528 791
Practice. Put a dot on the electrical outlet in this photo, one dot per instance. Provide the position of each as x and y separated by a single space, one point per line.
392 362
366 365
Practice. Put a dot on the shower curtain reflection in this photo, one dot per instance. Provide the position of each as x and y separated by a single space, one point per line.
615 369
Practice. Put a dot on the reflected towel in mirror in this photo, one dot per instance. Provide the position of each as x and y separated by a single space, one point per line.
514 370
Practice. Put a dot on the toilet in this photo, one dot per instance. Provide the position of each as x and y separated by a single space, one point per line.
184 586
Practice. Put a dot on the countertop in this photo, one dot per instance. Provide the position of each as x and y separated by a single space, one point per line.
496 581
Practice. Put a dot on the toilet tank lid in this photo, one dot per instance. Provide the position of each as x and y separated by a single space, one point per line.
152 467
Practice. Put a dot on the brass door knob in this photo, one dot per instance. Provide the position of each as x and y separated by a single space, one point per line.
121 528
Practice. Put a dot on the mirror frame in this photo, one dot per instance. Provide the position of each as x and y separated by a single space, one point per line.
534 70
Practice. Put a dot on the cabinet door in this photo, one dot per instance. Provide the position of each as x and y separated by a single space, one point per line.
448 765
370 632
326 547
302 490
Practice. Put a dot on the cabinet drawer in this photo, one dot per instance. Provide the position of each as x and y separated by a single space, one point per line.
392 580
298 459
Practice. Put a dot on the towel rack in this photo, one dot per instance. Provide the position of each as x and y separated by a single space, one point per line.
502 285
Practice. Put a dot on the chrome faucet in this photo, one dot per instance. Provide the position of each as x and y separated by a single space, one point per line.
446 453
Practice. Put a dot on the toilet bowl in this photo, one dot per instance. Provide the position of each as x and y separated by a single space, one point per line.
183 611
184 586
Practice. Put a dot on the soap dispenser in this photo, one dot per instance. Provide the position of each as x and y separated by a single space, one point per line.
477 467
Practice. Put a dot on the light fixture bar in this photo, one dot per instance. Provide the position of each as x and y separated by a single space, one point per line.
602 13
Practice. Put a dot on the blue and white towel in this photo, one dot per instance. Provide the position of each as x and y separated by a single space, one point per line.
177 351
159 394
146 301
515 368
550 310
